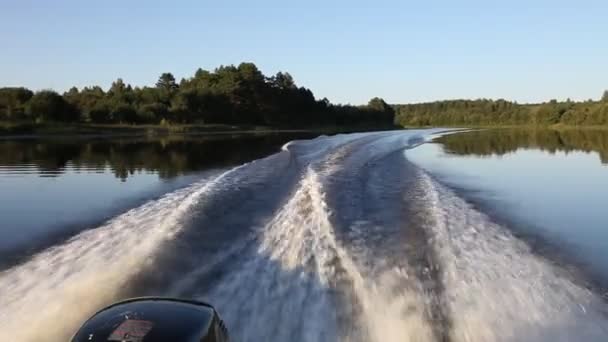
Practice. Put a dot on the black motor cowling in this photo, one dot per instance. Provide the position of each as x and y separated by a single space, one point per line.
154 320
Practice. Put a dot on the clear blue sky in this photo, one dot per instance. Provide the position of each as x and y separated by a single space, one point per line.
348 51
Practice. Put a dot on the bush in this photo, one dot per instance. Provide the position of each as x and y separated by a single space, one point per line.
100 114
152 113
47 105
123 113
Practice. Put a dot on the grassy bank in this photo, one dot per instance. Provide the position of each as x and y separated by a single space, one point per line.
552 127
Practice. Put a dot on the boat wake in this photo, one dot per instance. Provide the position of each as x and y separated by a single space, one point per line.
333 239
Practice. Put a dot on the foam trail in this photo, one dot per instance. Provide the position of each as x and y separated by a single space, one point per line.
293 286
46 298
496 288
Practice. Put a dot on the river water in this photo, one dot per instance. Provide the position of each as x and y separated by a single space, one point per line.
361 237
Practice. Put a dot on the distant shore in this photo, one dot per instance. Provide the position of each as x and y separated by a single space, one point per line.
30 130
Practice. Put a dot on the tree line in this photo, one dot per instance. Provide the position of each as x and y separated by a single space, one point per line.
501 112
236 95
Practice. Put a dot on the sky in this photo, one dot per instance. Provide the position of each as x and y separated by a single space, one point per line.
348 51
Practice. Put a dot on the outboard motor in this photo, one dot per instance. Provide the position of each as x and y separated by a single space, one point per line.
154 320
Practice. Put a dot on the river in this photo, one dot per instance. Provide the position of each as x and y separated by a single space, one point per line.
415 235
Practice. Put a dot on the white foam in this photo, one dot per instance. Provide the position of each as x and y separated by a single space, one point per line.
284 291
46 298
496 288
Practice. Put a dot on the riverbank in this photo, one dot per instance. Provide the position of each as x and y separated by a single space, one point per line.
30 130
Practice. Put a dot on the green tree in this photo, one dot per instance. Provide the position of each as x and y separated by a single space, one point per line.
47 105
12 102
152 113
167 87
166 81
605 96
283 81
118 88
85 100
123 113
379 105
100 113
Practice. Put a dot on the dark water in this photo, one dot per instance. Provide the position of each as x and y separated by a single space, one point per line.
359 237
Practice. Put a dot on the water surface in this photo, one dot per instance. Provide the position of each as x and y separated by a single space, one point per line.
356 237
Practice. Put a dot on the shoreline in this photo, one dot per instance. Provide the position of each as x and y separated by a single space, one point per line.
32 131
555 127
82 131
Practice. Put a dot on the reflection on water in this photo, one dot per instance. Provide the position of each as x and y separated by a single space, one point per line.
168 157
551 186
503 141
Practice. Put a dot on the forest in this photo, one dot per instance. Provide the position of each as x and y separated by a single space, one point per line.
243 95
234 95
486 112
